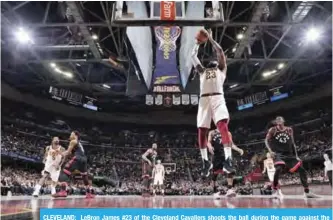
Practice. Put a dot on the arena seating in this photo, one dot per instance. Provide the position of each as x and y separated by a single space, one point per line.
115 152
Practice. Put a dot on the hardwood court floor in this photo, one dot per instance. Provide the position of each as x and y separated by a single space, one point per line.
24 207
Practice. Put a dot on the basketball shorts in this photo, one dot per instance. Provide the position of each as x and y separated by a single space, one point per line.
158 180
211 108
290 162
146 170
77 164
52 171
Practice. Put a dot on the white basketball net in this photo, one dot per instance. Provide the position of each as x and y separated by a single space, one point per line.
167 36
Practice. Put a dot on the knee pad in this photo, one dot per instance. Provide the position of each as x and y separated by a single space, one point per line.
202 137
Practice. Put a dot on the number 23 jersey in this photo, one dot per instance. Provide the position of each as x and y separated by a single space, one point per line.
212 80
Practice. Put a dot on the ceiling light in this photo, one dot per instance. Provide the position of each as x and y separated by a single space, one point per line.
269 73
94 37
234 49
68 74
313 34
57 70
106 86
78 64
233 86
240 36
53 65
280 66
23 36
256 64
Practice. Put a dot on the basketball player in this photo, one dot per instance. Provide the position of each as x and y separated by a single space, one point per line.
281 145
270 169
52 160
328 168
212 103
222 160
78 162
148 162
158 175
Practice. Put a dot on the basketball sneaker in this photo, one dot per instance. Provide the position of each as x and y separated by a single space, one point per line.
62 193
207 166
90 196
311 195
230 193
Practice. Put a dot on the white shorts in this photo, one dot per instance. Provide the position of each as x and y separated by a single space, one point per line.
158 181
211 107
271 175
54 173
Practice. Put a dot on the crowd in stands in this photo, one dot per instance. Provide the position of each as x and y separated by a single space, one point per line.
116 154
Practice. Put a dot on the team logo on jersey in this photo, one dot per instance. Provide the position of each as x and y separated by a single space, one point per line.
282 138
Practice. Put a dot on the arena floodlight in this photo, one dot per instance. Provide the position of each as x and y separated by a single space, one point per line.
240 36
106 86
57 70
53 65
312 34
269 73
68 74
23 36
234 49
233 86
94 37
280 66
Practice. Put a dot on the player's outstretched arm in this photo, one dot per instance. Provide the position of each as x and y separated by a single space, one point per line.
45 154
293 141
219 52
144 157
71 146
268 138
195 60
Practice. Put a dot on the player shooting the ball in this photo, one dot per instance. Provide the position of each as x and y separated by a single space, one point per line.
212 104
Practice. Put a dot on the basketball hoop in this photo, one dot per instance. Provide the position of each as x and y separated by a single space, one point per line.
167 37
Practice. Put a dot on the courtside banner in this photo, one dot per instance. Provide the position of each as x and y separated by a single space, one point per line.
186 214
166 75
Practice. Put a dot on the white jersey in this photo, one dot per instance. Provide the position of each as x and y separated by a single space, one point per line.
212 80
159 171
269 163
53 156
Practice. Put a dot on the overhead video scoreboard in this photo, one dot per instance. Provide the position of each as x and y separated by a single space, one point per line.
73 98
259 98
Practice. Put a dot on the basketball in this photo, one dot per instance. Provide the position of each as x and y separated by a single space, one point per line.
202 36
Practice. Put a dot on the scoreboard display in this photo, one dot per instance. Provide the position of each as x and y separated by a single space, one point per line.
73 98
260 98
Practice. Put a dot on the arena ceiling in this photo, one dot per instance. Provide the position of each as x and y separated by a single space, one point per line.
267 44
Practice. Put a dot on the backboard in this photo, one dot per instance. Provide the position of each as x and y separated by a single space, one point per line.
168 13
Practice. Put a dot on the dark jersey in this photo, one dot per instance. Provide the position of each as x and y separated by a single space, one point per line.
281 141
217 144
78 150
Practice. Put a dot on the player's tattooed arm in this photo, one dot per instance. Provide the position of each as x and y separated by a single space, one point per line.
71 146
195 60
45 154
219 52
267 139
144 157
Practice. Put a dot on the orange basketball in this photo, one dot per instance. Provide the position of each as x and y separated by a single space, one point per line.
202 36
